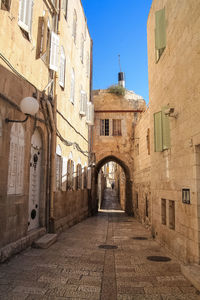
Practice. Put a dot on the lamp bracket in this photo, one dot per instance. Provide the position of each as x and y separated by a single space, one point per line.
17 121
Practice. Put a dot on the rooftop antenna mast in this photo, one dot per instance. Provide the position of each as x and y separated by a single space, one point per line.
119 63
121 77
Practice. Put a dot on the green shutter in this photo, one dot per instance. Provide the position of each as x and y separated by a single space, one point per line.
158 142
160 31
166 129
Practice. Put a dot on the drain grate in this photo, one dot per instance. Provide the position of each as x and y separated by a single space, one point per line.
108 247
159 258
141 238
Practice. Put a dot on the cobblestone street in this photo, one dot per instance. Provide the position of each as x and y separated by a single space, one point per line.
76 268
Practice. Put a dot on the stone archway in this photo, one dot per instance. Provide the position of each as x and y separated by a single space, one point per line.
128 187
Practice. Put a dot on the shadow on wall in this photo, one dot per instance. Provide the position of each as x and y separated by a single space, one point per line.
128 186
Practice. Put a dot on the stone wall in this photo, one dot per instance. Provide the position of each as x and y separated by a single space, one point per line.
141 169
70 207
174 82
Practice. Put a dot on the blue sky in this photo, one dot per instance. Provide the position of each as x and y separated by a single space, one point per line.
119 27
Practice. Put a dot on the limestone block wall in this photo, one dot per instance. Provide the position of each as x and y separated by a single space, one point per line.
14 207
78 132
70 208
141 170
174 81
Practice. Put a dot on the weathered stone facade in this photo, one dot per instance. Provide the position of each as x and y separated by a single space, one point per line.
38 53
174 83
112 143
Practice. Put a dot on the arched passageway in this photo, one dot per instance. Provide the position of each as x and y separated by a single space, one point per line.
128 207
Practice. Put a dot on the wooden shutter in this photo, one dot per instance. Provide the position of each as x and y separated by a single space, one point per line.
62 68
44 34
116 127
53 65
25 15
83 104
160 30
90 114
16 160
102 127
158 143
165 129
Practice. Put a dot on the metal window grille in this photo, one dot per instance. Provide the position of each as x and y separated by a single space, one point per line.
117 127
104 127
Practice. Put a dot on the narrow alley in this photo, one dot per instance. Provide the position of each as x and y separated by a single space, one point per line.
104 257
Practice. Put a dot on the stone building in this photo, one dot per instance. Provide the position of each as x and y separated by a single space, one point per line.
45 54
173 64
113 133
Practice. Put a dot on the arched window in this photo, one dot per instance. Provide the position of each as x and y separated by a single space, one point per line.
72 86
16 160
74 29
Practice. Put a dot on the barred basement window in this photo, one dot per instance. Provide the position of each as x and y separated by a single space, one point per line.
117 128
163 212
104 127
5 4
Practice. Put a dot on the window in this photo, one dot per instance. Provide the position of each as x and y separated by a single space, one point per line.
53 64
64 7
88 65
161 131
70 173
82 48
137 200
58 168
74 28
72 86
90 114
16 160
83 104
5 4
79 176
186 196
160 33
148 140
117 127
163 211
104 127
171 214
62 68
25 15
147 206
64 173
43 38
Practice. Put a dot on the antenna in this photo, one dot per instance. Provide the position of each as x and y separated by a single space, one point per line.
119 63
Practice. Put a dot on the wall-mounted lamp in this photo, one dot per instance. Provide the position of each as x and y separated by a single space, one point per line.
29 106
171 112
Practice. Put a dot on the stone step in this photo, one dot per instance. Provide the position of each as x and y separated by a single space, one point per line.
192 273
45 241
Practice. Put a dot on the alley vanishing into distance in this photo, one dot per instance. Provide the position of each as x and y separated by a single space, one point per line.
103 257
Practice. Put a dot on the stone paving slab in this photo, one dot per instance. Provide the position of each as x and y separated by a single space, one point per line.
76 268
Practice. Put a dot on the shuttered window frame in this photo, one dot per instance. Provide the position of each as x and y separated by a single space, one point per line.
62 68
161 131
25 15
160 33
90 114
54 52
